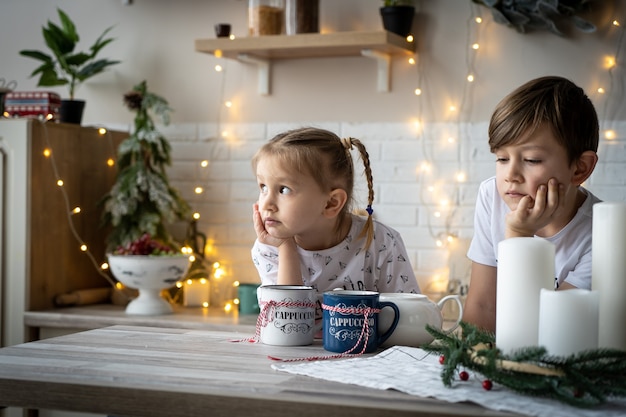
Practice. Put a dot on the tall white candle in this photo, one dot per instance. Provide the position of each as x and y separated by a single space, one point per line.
525 266
608 272
568 321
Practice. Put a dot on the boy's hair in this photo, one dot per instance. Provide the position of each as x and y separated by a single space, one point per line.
553 100
327 159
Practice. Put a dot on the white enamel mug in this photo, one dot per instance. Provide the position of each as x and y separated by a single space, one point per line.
287 316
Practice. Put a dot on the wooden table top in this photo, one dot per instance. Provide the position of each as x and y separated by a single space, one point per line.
153 372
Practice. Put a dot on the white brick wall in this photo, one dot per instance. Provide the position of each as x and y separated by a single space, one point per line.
402 201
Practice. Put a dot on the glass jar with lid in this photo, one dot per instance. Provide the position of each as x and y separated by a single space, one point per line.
266 17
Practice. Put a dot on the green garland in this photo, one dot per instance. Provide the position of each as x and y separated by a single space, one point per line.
585 379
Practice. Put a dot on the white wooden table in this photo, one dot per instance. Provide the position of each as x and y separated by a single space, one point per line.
153 372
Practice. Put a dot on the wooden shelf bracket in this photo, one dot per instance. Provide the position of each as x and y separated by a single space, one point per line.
383 61
263 68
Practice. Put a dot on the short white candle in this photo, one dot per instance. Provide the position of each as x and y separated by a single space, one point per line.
196 293
568 321
525 266
608 272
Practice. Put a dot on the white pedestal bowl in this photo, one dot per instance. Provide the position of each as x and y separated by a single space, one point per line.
149 275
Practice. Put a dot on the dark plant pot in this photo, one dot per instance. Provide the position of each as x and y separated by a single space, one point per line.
398 19
71 111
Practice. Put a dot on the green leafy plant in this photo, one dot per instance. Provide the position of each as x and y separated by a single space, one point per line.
391 3
529 15
64 66
142 201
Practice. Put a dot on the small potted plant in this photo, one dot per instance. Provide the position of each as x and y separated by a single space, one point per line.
398 16
66 67
142 253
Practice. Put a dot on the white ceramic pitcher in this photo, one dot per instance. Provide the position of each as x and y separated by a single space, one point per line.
416 311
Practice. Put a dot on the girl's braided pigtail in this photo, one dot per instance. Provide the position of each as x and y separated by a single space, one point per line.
368 229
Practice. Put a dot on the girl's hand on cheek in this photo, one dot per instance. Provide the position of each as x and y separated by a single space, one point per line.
532 215
259 227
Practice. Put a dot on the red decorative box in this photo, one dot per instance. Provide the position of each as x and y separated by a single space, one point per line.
44 104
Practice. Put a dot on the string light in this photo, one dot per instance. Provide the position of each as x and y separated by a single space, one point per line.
198 190
204 163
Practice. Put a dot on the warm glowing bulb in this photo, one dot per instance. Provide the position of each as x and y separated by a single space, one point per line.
450 238
192 258
461 177
219 272
228 307
236 301
205 304
615 23
600 90
217 53
470 78
430 188
425 166
439 243
418 91
452 108
218 68
110 162
609 134
60 183
119 285
203 281
444 203
47 152
49 116
412 61
437 214
104 265
76 210
231 37
409 38
478 19
236 284
196 215
198 190
83 248
179 284
204 163
189 282
609 62
224 134
475 46
228 104
102 131
216 264
450 139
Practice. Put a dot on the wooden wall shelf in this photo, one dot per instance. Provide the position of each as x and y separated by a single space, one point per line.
261 50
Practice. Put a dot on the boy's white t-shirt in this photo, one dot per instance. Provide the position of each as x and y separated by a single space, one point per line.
572 243
383 267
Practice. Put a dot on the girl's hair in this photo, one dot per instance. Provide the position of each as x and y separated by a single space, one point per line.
327 159
553 100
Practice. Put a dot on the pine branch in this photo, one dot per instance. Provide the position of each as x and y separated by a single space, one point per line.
584 379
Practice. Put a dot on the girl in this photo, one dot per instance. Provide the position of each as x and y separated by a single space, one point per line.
306 234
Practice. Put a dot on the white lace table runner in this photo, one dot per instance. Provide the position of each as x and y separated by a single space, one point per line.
414 371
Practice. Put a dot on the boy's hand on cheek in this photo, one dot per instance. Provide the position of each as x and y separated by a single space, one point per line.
261 233
532 215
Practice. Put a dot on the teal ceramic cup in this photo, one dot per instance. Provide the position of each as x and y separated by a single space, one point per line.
350 321
248 301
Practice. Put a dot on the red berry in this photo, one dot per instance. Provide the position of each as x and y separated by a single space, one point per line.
463 375
442 359
487 385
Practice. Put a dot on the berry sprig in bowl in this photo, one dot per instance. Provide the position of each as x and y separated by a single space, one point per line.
150 267
145 245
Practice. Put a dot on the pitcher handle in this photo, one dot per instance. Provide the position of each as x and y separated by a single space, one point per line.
457 299
396 319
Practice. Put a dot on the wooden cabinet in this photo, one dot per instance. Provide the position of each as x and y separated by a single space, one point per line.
261 50
41 237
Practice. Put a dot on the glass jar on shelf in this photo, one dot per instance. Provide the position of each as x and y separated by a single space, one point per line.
266 17
302 16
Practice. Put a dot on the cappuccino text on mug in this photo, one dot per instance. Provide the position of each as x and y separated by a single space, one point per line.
287 316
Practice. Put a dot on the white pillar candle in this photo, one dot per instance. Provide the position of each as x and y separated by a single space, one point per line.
525 266
196 293
608 272
568 321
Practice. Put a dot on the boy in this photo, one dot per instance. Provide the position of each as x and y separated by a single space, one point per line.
545 138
